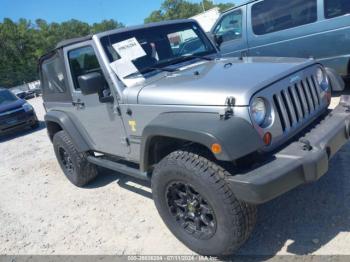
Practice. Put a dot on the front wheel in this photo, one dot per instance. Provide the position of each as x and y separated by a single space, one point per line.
198 206
74 164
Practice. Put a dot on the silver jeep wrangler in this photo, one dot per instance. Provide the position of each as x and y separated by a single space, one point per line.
215 136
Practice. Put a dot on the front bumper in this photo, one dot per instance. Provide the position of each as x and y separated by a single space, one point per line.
300 162
17 122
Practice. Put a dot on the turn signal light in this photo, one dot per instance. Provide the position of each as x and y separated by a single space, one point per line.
267 138
216 148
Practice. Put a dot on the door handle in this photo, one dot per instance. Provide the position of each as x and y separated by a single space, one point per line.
78 103
244 54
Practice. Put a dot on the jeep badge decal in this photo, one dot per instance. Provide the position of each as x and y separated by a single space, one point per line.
132 125
295 79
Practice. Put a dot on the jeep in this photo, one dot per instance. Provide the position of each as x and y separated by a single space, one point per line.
215 136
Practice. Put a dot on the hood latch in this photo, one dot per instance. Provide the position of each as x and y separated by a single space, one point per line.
227 112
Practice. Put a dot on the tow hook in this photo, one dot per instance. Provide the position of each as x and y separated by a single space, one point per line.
306 145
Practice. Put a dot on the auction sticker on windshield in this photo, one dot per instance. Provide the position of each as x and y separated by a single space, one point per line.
123 67
129 49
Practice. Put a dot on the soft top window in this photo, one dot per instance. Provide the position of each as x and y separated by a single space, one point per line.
53 75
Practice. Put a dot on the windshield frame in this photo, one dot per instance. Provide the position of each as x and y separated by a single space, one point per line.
115 36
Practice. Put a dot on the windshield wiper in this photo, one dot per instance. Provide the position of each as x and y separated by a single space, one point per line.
149 69
207 58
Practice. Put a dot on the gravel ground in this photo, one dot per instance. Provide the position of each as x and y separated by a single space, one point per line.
42 213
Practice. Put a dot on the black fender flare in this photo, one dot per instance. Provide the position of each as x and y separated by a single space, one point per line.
67 124
337 83
236 135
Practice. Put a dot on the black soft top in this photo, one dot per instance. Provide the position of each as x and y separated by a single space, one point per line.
73 41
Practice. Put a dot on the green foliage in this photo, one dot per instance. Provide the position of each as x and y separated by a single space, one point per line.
178 9
23 42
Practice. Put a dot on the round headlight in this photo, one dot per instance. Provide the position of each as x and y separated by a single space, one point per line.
322 79
258 110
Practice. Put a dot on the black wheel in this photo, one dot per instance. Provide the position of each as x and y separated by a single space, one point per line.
35 125
198 206
74 164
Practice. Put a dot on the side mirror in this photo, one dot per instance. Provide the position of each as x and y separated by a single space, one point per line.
218 40
91 83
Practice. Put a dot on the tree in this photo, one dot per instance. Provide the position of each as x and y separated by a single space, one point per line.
23 42
178 9
105 25
155 16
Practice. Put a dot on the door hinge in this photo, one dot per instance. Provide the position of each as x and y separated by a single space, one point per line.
125 141
119 111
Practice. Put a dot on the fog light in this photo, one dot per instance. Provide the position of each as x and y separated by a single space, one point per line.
267 138
216 148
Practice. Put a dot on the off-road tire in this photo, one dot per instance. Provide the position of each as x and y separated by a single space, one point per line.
235 219
82 171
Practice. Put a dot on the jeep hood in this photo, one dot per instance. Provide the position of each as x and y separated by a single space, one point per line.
209 83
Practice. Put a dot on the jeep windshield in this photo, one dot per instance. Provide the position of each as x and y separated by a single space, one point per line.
156 48
7 97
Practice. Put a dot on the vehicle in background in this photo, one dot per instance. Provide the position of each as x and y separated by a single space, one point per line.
24 94
207 18
15 113
37 91
29 94
288 28
19 93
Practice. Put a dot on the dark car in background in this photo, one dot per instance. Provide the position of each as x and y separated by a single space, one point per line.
15 113
24 94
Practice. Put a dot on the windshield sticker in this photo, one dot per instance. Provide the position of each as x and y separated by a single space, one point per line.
124 67
129 49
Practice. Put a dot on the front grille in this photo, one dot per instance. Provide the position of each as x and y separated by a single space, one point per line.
12 113
20 114
297 102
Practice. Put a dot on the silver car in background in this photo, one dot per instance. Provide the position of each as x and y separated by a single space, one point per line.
288 28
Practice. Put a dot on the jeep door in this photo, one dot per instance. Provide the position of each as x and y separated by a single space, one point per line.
96 114
231 26
301 28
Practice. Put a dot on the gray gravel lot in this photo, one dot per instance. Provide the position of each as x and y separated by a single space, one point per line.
42 213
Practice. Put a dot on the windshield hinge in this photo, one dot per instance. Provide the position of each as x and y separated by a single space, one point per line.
119 112
227 112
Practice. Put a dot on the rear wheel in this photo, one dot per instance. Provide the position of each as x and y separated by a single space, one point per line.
198 206
74 164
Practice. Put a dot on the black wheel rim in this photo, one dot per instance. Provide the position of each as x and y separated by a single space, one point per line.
190 210
66 160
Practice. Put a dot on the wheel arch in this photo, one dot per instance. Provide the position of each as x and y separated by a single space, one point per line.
171 131
337 82
57 121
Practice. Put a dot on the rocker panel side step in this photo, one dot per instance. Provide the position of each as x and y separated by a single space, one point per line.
124 169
